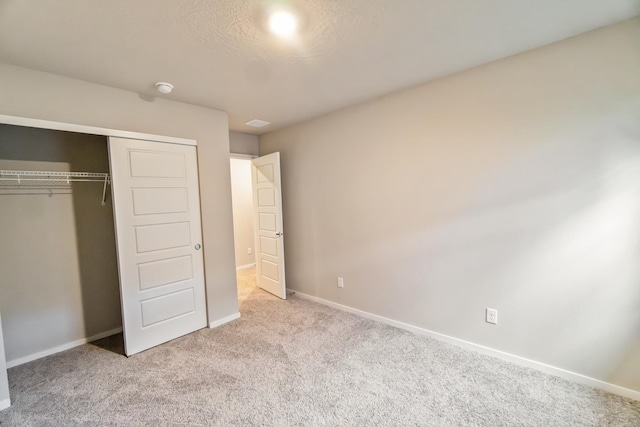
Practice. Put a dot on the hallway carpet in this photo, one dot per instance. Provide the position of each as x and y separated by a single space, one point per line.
297 363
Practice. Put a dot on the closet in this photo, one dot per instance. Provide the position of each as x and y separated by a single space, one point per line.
67 274
59 281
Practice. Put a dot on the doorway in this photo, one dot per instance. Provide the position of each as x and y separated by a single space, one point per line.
242 204
243 229
266 209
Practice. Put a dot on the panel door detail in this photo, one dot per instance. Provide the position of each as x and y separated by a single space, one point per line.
267 217
157 218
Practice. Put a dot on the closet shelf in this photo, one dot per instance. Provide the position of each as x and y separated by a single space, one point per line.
50 179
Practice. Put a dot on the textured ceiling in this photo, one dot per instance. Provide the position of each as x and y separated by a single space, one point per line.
218 53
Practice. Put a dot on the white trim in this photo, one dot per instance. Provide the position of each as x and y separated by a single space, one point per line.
243 156
70 127
224 320
4 404
58 349
245 267
539 366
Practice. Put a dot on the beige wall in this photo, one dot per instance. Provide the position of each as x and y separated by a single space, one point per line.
57 252
243 143
515 186
34 94
242 197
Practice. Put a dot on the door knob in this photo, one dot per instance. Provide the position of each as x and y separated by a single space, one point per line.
198 246
279 234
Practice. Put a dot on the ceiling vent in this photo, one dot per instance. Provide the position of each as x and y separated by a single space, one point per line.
257 123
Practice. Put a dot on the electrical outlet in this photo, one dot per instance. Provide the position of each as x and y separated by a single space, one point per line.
340 282
492 316
249 251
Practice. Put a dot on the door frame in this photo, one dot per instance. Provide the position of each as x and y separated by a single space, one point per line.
250 157
70 127
243 156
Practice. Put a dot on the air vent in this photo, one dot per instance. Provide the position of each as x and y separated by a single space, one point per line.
257 123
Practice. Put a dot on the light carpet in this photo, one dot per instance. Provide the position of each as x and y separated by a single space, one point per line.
298 363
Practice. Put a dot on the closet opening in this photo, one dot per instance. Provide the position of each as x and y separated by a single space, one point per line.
59 285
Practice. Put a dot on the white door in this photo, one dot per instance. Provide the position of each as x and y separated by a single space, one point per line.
157 216
267 219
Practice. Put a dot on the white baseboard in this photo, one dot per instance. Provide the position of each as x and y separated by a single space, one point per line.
224 320
543 367
245 267
4 404
58 349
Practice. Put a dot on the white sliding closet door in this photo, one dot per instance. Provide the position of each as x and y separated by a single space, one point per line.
157 216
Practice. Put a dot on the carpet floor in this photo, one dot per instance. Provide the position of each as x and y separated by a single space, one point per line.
298 363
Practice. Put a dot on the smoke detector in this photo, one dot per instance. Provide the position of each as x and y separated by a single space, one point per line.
164 87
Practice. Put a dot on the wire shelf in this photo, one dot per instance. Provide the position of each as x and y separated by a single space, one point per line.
12 179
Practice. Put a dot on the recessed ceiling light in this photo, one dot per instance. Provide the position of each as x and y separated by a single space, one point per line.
283 23
164 87
257 123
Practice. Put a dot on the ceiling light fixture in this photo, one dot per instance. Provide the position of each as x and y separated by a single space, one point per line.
164 87
283 23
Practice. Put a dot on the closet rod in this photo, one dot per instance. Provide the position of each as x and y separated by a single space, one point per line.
51 178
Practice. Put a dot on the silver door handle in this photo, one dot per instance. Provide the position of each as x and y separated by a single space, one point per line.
279 234
197 246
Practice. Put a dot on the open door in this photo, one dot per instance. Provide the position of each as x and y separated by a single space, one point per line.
157 217
267 219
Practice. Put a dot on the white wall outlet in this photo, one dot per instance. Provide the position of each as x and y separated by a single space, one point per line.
492 316
340 282
249 251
